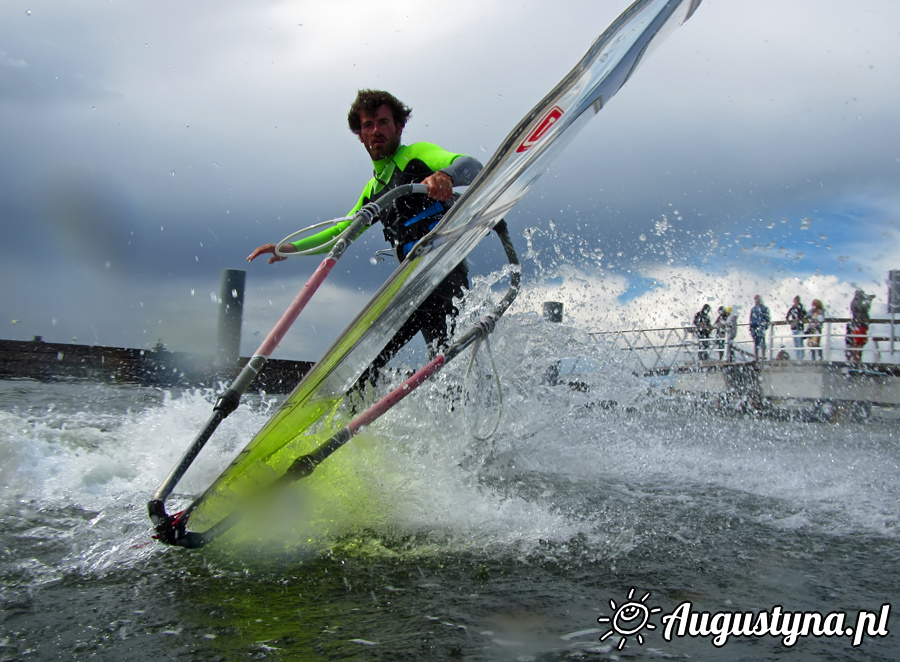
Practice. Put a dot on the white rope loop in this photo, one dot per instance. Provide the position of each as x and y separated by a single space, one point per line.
486 325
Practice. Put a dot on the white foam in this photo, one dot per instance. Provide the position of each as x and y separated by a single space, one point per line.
91 470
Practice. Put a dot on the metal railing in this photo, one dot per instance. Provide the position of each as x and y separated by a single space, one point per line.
660 350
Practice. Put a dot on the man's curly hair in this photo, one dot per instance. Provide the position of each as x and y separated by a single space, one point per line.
370 101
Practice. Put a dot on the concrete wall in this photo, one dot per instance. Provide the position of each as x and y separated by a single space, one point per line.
797 380
159 367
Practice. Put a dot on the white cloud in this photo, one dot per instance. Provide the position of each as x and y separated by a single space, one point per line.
592 302
9 62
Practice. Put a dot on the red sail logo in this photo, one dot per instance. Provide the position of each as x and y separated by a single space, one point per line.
541 129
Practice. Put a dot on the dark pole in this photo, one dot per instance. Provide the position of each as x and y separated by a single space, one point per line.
231 312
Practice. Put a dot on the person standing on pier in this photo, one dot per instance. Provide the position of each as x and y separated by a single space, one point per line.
731 333
814 329
721 325
796 317
703 329
858 328
759 324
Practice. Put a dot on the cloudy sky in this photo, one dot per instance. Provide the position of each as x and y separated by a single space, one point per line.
148 146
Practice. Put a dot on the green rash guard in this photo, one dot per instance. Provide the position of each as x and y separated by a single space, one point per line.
410 218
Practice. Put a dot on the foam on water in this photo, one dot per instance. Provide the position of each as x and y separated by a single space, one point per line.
839 478
510 547
82 468
79 462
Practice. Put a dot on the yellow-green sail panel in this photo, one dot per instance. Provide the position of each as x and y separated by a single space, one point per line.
306 418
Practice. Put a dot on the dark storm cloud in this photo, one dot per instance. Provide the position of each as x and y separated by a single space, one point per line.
148 147
50 60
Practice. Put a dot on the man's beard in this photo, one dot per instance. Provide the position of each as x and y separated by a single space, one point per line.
378 152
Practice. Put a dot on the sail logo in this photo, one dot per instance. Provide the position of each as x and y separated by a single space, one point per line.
539 131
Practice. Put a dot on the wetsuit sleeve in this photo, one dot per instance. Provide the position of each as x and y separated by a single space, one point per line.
321 239
434 157
463 170
461 167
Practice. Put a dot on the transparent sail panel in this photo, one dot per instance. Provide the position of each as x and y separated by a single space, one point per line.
524 156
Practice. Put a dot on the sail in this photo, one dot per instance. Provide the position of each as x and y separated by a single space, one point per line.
307 415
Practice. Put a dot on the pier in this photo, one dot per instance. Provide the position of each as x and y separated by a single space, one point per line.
35 359
785 380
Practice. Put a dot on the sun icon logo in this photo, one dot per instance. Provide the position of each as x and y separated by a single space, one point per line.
629 619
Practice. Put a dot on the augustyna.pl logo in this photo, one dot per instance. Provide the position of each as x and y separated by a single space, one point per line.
632 618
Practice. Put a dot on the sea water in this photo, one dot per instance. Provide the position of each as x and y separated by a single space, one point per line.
597 492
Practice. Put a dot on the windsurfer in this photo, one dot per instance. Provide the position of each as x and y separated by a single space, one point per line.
378 119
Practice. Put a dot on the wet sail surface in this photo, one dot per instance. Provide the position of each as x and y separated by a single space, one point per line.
311 413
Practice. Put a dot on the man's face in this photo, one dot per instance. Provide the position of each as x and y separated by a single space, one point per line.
378 133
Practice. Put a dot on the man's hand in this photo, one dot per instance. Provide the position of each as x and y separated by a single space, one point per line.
269 248
440 185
